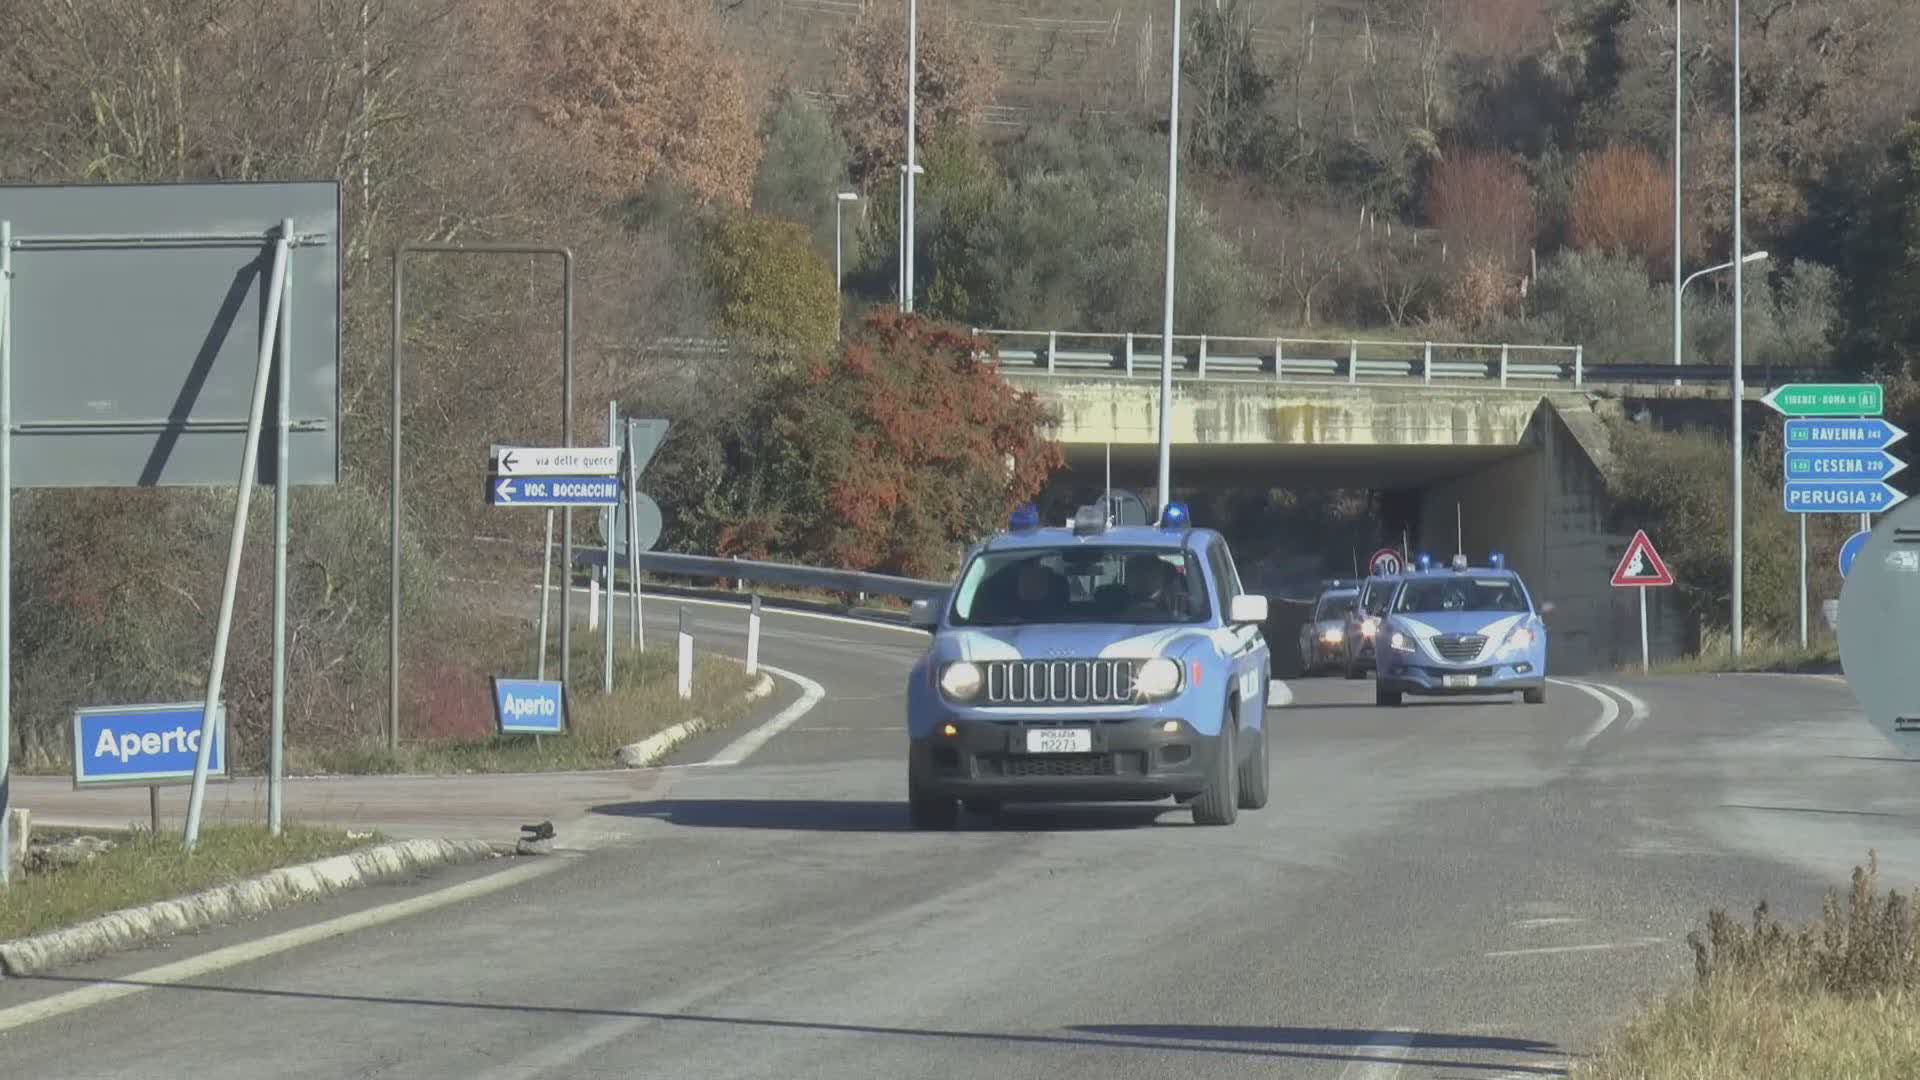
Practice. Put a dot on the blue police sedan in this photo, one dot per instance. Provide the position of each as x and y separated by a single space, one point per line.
1461 630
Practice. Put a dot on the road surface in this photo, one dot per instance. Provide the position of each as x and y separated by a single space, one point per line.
1464 889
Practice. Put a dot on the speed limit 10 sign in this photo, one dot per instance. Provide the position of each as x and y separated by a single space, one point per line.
1385 563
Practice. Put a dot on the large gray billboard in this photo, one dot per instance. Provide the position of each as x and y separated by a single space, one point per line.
138 311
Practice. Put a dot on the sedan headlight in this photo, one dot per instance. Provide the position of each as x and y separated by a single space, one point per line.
1158 678
1400 642
1370 626
1332 635
961 681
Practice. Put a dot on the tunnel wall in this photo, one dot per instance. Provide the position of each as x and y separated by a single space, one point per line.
1547 509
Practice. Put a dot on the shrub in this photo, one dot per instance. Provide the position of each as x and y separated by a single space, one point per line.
1868 948
776 293
1483 205
1622 204
1605 303
957 77
804 167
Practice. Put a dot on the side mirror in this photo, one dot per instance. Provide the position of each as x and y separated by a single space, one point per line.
923 615
1247 608
1546 609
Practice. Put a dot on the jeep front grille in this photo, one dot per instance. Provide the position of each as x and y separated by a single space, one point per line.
1059 682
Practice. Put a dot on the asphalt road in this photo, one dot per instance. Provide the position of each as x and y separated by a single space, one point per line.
1466 889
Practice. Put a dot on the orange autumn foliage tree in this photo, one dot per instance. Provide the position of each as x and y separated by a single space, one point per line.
1622 204
643 87
916 446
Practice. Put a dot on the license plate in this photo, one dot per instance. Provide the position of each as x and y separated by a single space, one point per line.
1452 682
1060 741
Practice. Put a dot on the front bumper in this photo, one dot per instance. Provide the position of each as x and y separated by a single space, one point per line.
1417 674
1329 652
1131 759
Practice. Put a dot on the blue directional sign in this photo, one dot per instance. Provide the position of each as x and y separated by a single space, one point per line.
146 745
1840 496
1851 550
554 491
1866 434
1842 465
530 706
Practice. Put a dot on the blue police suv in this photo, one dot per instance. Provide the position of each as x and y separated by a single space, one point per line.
1091 663
1463 630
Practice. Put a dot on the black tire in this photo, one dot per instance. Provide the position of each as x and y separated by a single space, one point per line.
928 811
1534 697
1355 671
1253 776
1384 697
1219 804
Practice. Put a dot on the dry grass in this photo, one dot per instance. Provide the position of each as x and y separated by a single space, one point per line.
1827 1001
145 867
1758 652
645 700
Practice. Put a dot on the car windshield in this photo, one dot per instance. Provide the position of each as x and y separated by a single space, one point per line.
1081 583
1333 606
1461 594
1377 597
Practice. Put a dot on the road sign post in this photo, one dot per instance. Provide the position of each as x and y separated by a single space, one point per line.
1641 568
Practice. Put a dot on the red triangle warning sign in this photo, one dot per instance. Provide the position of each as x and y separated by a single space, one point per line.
1641 565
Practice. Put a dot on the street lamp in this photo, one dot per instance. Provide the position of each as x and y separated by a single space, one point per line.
1752 258
1678 284
1166 317
1739 356
839 201
905 257
913 57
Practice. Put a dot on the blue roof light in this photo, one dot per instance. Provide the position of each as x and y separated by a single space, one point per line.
1175 516
1498 560
1426 561
1025 519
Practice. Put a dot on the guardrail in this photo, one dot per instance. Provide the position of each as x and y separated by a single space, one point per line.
789 575
1027 353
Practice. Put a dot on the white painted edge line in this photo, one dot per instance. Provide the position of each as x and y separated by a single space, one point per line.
811 694
1551 950
1279 694
1609 712
1640 708
648 751
232 955
1384 1054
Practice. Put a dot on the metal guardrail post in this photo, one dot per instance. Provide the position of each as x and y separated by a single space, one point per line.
1129 357
1353 362
1426 363
1579 364
1279 359
1503 366
1053 347
1203 356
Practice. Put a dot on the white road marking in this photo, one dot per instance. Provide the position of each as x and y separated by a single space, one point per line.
219 959
1640 709
1609 711
1552 920
811 694
1551 950
1381 1067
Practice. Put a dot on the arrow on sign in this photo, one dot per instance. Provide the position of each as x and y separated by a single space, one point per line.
1840 496
1641 565
1871 434
503 492
507 462
1827 399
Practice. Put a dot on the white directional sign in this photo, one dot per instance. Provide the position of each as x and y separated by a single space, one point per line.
557 461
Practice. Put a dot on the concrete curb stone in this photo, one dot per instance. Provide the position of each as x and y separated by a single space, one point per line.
137 926
658 745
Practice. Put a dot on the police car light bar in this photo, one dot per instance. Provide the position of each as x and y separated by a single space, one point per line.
1025 519
1175 516
1426 561
1498 560
1460 562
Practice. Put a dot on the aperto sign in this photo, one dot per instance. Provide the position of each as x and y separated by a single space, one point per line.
530 706
144 745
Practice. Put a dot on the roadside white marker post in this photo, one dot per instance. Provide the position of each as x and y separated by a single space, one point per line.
593 602
686 658
753 636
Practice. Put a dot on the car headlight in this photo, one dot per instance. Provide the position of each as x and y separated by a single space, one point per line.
1332 636
1400 642
1370 626
1157 678
961 681
1520 639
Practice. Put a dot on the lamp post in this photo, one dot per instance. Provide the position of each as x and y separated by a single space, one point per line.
1739 356
913 72
904 275
1678 284
1166 317
1752 258
840 200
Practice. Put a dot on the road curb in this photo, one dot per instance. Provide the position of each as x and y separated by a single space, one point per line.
134 927
651 749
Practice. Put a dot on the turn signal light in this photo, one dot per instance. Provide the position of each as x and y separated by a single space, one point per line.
1171 727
